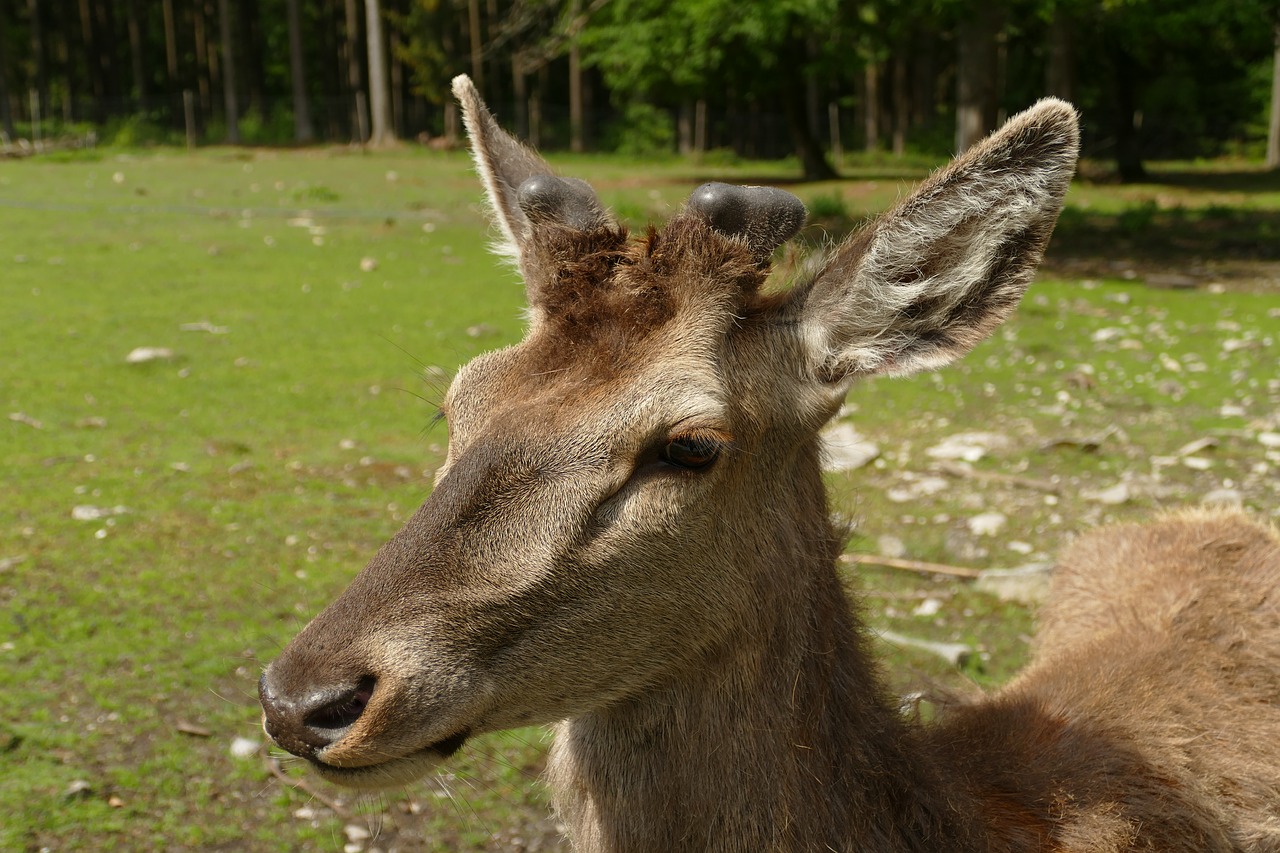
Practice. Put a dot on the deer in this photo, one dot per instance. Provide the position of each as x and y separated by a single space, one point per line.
629 540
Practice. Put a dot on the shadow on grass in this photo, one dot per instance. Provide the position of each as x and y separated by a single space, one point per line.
1176 229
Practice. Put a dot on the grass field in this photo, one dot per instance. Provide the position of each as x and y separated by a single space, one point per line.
167 525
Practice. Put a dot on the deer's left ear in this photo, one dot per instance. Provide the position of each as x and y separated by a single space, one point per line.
520 185
927 281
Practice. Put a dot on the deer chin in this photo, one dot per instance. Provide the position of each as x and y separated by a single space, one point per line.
393 771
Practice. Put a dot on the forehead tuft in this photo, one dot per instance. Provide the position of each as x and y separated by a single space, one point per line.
600 294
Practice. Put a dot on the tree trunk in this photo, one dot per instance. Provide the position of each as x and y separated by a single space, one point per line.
6 115
976 72
813 161
230 103
136 49
1058 79
38 51
901 103
205 58
355 76
170 45
397 87
1273 131
379 93
105 43
520 91
252 66
871 109
303 131
1128 144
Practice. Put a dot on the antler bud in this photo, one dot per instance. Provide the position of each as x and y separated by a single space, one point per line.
567 201
765 216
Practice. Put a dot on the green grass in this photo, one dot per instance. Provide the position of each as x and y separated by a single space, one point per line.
263 464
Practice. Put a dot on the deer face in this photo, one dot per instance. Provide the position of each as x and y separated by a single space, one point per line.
621 486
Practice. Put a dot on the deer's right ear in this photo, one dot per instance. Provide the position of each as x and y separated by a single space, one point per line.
520 186
926 282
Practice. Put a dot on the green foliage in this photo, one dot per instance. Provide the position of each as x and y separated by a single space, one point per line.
275 128
684 49
643 130
136 131
829 205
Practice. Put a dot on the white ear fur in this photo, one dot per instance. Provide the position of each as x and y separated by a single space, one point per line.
926 282
503 163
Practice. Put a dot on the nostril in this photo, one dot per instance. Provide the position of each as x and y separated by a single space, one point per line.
343 711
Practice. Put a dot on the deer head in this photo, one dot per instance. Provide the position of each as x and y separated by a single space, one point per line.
634 487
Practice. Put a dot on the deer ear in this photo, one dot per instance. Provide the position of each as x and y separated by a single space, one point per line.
517 181
927 281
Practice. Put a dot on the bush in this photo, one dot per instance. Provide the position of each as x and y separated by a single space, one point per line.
642 131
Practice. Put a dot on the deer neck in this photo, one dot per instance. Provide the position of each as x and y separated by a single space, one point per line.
786 740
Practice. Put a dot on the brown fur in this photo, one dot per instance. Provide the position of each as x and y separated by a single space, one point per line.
686 629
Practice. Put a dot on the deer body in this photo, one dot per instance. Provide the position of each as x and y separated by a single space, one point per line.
630 538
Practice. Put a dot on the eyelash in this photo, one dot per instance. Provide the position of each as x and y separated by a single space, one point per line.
693 451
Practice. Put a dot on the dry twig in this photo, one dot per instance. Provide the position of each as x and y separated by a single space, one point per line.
273 765
910 565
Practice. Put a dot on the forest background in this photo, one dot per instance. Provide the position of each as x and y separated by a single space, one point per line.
808 79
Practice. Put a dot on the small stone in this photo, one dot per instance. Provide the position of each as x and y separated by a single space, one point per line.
356 832
891 546
987 523
1224 498
480 330
1028 584
967 446
95 513
141 355
1269 439
78 789
243 747
368 264
928 607
844 449
1113 496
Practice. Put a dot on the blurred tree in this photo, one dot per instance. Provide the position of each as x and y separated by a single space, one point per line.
1273 125
1172 69
671 52
379 91
303 131
6 116
230 100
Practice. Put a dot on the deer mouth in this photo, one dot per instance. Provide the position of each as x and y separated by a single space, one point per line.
393 771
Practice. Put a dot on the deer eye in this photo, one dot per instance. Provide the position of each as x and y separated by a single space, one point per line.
693 452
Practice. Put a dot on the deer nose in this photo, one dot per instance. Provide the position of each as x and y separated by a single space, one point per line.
314 719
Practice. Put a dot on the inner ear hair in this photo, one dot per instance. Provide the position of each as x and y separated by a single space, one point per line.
930 279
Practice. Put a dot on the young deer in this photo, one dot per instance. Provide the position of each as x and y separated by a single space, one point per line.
630 538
